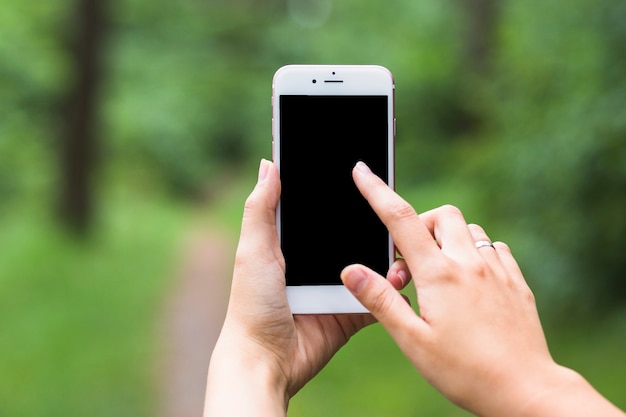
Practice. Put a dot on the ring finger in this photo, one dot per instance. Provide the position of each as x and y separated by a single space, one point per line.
484 245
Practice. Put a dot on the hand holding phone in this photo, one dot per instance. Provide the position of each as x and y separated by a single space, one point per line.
326 118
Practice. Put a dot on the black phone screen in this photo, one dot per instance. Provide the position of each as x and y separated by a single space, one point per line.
326 224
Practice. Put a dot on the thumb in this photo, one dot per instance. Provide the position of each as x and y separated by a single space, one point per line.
385 303
258 241
259 268
259 216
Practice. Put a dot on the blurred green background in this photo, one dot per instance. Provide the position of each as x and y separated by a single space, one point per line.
127 126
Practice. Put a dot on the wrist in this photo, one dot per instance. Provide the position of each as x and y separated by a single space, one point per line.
554 384
569 394
548 390
241 382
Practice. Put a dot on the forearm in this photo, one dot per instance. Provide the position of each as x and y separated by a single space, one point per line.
239 386
572 396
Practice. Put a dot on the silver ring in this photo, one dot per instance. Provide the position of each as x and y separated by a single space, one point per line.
483 243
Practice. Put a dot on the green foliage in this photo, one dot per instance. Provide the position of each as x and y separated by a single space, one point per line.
80 322
558 153
33 72
533 148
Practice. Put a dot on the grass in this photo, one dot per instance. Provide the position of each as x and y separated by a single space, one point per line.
78 319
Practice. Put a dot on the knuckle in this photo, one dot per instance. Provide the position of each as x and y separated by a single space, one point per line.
451 210
480 268
452 272
242 258
476 228
501 246
529 295
381 302
447 271
251 204
402 210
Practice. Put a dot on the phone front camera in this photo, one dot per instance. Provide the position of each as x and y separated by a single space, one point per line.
314 81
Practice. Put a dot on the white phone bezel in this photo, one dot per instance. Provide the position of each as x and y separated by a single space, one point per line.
331 80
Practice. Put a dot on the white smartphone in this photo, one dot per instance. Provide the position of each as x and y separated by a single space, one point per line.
326 118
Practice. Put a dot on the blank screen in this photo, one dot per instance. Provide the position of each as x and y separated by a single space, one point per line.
325 222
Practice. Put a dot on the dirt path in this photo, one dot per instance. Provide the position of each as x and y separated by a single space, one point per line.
192 321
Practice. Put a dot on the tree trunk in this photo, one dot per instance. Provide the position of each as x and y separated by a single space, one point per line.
481 20
78 141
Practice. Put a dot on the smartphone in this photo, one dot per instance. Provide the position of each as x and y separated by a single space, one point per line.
326 118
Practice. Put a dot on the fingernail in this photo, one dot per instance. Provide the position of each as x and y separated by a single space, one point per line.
402 276
263 169
362 166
